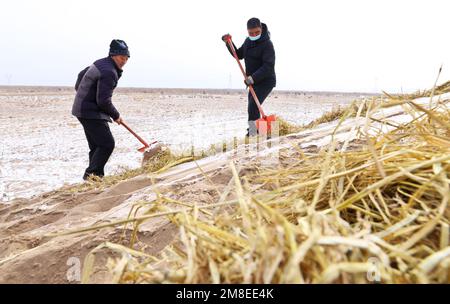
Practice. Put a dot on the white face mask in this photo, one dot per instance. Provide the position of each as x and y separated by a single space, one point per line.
254 38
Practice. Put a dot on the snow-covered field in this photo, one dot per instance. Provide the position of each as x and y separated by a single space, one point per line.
43 147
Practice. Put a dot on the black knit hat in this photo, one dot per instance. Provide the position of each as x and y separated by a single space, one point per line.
118 47
253 22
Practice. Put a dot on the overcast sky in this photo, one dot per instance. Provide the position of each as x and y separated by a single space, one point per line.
320 45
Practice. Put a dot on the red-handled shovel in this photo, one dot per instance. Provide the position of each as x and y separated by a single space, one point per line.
149 150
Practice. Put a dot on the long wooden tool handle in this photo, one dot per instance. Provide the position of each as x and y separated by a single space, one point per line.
135 135
252 91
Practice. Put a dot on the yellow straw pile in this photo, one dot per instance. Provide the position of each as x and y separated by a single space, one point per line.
377 211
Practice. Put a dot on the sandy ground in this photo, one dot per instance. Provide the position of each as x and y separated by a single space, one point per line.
30 252
43 147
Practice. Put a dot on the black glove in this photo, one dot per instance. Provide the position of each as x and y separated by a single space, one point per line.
249 81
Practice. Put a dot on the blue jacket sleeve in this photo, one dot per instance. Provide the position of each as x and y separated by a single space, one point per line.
105 87
268 66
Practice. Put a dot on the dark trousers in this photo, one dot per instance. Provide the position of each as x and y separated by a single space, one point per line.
101 145
262 91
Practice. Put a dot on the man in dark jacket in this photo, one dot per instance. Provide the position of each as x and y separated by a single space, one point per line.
93 106
259 56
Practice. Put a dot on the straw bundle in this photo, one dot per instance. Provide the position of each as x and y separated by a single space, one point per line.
350 213
159 162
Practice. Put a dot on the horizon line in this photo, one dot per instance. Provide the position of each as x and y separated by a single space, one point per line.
67 87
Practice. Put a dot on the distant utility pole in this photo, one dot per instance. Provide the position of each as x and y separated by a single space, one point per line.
8 78
230 82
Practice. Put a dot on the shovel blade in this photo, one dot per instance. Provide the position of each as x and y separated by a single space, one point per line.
264 125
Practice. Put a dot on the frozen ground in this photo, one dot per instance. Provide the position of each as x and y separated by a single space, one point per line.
43 147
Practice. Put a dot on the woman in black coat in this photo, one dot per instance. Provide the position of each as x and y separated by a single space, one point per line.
259 55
